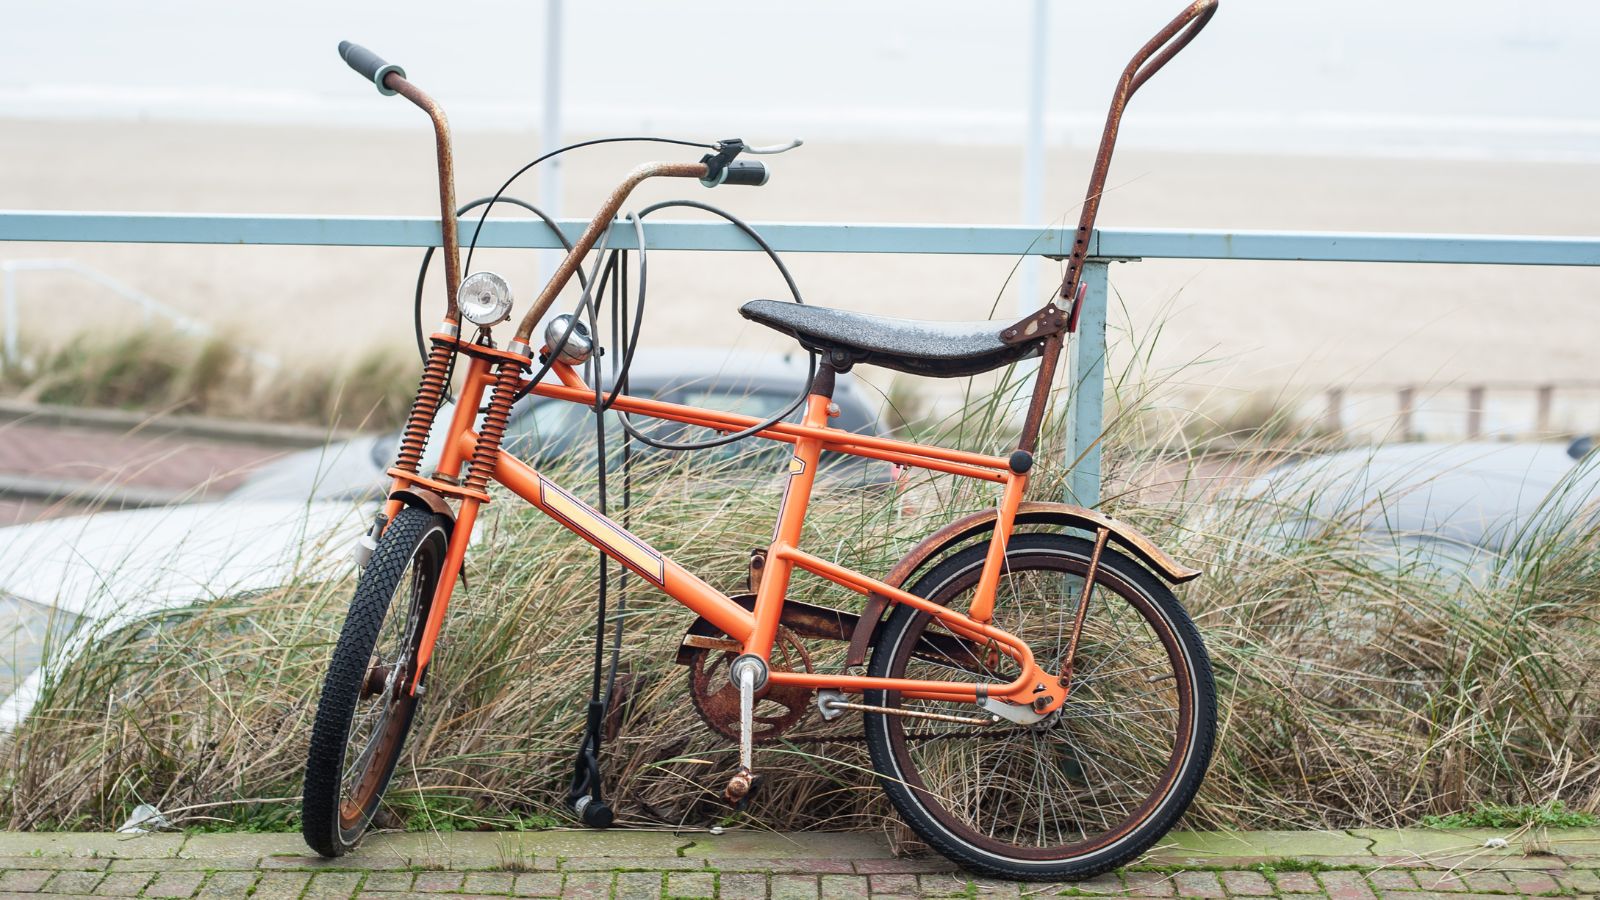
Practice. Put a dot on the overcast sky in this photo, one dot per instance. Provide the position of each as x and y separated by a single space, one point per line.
1416 77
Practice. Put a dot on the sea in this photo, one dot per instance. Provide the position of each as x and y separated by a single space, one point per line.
1463 79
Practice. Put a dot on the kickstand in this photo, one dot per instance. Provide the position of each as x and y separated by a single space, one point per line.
583 796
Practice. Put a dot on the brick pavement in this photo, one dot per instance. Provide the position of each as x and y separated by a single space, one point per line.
1358 865
67 455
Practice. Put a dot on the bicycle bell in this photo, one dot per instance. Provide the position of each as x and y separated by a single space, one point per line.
578 345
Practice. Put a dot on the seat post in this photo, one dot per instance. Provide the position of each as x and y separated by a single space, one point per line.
1041 393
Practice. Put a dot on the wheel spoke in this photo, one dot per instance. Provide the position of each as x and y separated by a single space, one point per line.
1083 773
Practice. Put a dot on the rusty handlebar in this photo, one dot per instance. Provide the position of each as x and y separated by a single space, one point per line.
391 79
1156 52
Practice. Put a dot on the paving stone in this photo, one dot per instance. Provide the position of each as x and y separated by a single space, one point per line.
174 864
332 885
1346 886
794 887
637 886
1440 881
228 884
908 865
989 887
946 884
1303 883
1107 884
1487 882
74 882
285 886
93 845
1580 880
844 887
691 884
1533 882
587 885
203 846
25 880
893 884
56 863
741 886
383 881
1387 880
537 884
612 864
123 884
786 866
437 882
1150 884
488 882
1198 884
175 884
1253 883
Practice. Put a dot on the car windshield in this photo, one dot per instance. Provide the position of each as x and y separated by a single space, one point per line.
26 630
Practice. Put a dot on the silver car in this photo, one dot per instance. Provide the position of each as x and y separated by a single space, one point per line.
543 430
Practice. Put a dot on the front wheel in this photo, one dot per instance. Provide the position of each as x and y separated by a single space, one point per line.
1094 784
367 704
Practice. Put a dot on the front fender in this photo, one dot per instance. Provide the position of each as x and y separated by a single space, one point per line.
422 498
963 530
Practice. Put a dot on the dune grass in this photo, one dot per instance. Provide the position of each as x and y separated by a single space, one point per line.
1358 685
160 370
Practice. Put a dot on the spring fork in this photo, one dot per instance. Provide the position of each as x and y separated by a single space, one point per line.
430 394
508 377
1100 537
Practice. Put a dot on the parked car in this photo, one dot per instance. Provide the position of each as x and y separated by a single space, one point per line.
543 431
1455 505
64 581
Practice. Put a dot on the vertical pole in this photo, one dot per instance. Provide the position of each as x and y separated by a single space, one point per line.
1408 413
1033 152
11 353
1086 403
1546 399
1475 412
550 127
1333 419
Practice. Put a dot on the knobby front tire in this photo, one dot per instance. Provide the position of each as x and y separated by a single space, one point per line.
1087 789
367 707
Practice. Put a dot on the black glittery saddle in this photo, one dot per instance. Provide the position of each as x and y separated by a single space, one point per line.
936 349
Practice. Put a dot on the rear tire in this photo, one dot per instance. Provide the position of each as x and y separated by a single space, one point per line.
1088 788
367 707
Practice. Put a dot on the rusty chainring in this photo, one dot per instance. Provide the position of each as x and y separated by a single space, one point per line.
778 707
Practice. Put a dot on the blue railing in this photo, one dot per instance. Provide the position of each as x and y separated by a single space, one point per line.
1086 365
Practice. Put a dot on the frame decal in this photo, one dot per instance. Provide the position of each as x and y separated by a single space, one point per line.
587 521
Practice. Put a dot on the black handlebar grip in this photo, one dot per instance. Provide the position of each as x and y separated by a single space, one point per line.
748 172
369 64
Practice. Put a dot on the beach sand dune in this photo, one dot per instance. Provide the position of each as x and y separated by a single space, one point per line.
1258 325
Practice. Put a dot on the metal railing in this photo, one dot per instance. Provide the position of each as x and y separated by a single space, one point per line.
1086 367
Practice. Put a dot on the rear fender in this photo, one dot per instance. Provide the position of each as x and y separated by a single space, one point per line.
962 531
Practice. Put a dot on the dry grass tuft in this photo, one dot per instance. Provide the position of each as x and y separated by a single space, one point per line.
1358 686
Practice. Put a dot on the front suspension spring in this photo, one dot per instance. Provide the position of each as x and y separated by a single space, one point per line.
508 377
430 394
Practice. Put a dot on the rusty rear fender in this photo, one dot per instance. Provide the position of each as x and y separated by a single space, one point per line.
964 530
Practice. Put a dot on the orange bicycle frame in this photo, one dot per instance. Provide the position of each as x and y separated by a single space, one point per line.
755 630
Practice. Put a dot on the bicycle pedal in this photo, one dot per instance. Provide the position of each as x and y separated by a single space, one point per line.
742 789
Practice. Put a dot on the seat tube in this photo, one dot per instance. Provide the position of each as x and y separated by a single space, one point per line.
982 608
791 518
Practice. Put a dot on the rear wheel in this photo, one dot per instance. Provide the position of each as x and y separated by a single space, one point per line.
1092 785
367 705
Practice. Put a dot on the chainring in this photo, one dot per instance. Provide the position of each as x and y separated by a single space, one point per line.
778 707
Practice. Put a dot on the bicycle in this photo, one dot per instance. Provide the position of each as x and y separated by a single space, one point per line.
1036 705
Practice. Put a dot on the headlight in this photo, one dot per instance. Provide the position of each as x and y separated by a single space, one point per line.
484 299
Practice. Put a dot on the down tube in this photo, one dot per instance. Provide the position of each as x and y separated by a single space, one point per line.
622 546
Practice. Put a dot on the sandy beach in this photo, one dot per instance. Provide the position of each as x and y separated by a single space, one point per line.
1249 325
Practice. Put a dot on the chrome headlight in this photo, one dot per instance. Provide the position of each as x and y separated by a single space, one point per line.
484 299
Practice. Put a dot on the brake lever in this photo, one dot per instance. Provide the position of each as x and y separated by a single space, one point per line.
772 149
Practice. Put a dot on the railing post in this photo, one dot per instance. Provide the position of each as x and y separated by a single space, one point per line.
10 298
1086 356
